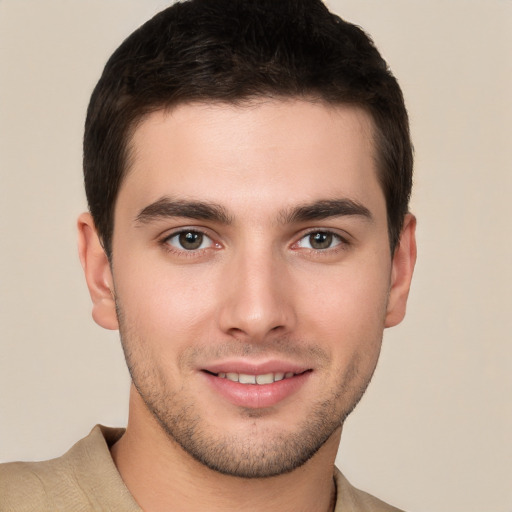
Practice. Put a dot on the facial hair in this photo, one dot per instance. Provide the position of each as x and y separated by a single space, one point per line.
258 450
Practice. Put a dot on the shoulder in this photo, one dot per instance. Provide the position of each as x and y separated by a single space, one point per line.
26 485
84 478
350 499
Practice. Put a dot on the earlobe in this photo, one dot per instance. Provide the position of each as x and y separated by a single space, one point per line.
97 272
402 269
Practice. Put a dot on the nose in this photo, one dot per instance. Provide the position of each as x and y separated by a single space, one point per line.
257 297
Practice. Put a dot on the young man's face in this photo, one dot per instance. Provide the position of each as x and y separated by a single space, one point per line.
253 277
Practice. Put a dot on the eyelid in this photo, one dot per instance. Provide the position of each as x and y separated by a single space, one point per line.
164 239
344 239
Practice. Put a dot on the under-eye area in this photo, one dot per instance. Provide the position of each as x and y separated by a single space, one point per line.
265 378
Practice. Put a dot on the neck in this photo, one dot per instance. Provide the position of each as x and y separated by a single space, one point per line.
161 476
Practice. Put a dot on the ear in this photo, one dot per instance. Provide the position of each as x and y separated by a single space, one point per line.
402 269
97 273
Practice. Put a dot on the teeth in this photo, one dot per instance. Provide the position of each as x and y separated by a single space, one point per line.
246 379
266 378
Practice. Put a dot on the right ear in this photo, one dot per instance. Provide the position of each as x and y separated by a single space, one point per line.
97 273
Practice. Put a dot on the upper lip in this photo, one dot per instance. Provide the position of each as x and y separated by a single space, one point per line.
255 368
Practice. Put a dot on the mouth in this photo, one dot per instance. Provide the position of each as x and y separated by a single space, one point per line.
253 389
260 379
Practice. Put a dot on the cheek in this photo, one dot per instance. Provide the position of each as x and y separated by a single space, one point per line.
347 309
164 304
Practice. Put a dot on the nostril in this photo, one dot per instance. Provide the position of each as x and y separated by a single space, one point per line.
236 332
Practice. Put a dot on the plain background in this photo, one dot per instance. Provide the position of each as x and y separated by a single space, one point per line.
434 432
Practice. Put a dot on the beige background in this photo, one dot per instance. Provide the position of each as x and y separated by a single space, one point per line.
434 431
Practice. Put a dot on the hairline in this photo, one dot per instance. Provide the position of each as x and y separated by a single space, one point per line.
128 153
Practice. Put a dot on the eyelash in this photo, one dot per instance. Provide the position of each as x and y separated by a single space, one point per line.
342 242
168 246
341 245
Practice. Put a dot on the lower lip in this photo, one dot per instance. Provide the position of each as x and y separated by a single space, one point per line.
257 396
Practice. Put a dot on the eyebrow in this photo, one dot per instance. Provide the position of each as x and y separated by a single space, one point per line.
167 207
325 209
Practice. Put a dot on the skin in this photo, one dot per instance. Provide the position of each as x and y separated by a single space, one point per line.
258 290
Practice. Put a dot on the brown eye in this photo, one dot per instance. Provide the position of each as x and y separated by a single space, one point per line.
190 240
320 240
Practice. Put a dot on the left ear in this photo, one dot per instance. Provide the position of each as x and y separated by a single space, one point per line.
402 268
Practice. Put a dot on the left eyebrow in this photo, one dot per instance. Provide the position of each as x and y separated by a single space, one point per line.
324 209
167 208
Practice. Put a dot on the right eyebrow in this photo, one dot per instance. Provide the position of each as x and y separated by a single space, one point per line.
167 207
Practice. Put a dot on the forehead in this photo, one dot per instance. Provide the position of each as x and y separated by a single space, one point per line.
266 151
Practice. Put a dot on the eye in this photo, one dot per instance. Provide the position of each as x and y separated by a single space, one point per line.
189 240
320 240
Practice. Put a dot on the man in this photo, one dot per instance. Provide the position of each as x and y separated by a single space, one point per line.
248 169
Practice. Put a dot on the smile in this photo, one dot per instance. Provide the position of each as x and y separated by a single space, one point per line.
266 378
256 389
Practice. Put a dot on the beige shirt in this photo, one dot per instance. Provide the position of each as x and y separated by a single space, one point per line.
86 479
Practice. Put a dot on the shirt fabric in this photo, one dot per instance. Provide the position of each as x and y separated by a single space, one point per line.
86 479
